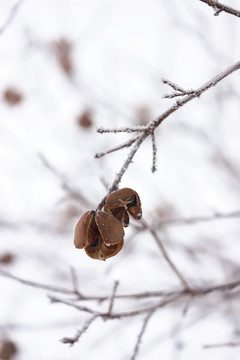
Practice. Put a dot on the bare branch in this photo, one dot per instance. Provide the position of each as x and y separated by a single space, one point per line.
74 281
221 7
229 344
11 16
199 219
194 291
167 258
65 183
140 335
79 333
35 284
119 315
113 297
54 299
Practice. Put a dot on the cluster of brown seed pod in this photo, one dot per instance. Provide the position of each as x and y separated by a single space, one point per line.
101 233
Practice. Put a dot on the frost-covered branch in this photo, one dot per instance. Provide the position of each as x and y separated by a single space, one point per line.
124 130
119 147
219 7
148 130
154 152
178 91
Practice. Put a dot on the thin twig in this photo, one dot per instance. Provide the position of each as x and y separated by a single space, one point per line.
122 171
154 151
37 285
199 219
123 314
174 95
125 130
168 259
229 344
73 340
86 309
194 291
11 16
113 297
74 280
222 7
173 85
127 163
65 183
119 147
140 335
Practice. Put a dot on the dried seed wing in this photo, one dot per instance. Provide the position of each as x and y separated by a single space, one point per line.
126 219
119 198
85 231
134 208
93 250
106 252
121 214
110 228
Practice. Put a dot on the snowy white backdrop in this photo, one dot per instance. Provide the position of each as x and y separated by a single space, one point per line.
120 51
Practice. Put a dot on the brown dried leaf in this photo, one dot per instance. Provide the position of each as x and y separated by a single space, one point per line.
12 96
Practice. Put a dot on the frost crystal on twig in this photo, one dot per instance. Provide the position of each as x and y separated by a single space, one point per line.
119 147
173 85
125 130
179 91
147 130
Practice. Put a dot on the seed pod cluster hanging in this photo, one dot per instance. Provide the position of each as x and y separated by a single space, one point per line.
101 233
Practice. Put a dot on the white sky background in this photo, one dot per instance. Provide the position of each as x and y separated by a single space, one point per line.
121 50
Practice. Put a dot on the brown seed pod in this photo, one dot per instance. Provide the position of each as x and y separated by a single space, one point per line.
98 250
119 198
86 230
121 214
109 227
100 234
127 198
